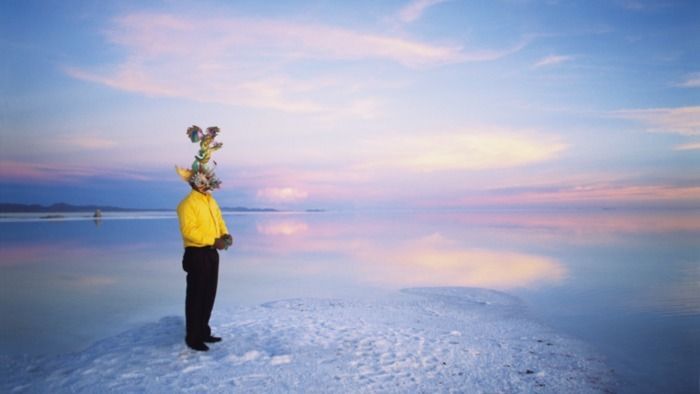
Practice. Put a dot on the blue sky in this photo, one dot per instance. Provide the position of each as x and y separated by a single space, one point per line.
354 104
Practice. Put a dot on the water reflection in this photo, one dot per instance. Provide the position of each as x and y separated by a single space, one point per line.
85 280
15 255
46 251
571 227
431 260
593 220
282 227
437 261
496 250
614 278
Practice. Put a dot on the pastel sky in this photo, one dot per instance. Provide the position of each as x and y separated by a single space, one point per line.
353 104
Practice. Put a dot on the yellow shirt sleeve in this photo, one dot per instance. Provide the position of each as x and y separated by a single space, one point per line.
219 218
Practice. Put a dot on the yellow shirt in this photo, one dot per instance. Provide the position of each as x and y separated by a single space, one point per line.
200 218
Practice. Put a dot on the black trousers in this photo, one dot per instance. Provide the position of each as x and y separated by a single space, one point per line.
202 267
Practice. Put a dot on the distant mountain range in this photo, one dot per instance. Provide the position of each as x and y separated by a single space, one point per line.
63 207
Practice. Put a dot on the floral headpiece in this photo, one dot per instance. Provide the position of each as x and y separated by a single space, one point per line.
201 175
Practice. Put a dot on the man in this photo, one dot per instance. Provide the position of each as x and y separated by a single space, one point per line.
203 232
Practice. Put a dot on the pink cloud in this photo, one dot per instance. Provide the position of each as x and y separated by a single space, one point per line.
282 194
153 35
361 184
552 60
681 120
244 62
688 146
594 225
590 194
468 150
415 9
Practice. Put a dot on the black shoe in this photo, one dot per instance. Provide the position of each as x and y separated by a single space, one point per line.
212 339
199 346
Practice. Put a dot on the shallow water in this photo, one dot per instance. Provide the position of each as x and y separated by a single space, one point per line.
628 283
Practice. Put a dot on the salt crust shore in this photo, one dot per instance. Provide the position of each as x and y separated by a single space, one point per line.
423 340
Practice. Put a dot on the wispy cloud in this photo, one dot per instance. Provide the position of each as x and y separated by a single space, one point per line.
691 81
635 5
552 60
470 150
587 195
279 93
415 9
156 35
643 5
248 62
376 169
80 142
59 142
688 146
682 120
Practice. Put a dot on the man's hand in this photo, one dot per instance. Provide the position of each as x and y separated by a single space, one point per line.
228 239
220 243
223 242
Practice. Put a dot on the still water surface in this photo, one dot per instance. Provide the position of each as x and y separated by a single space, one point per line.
628 283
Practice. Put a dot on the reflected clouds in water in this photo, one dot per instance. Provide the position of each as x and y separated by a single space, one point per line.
423 260
282 227
86 280
571 227
437 261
